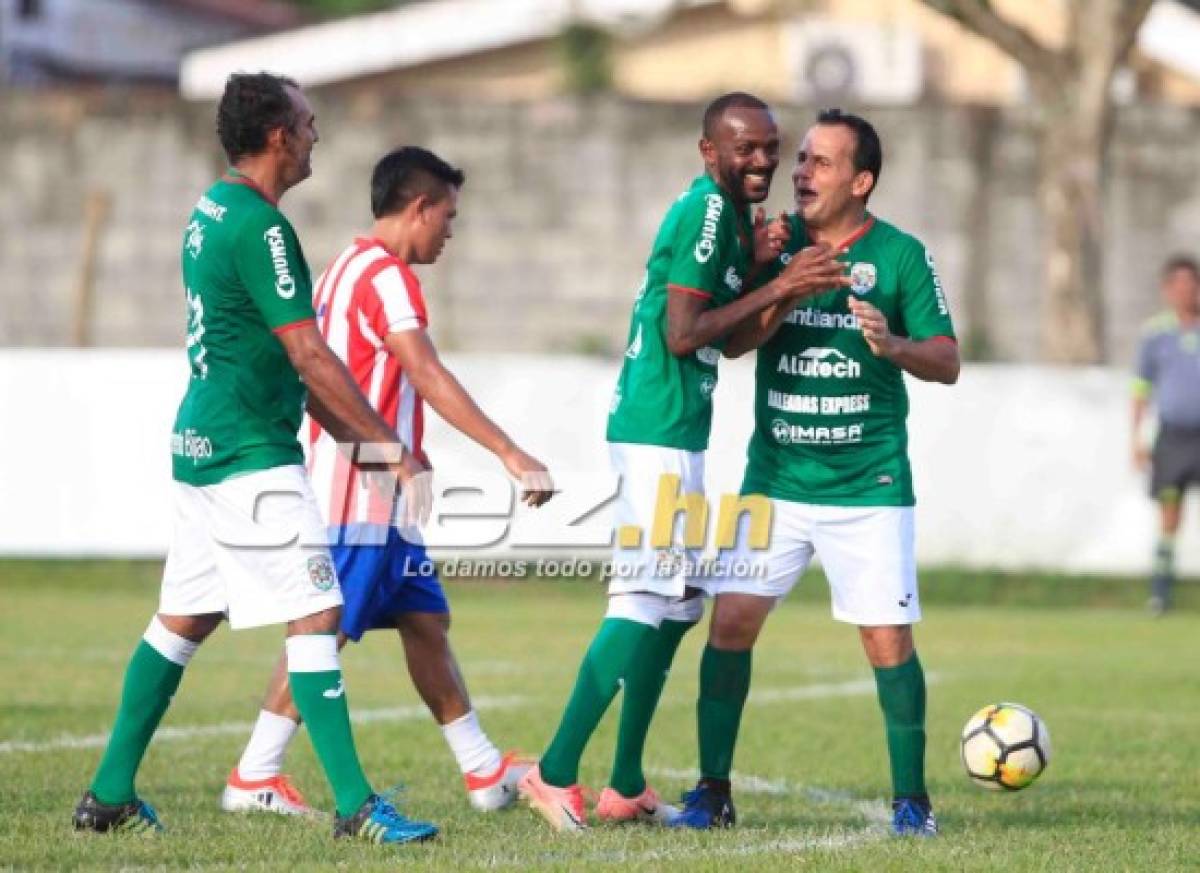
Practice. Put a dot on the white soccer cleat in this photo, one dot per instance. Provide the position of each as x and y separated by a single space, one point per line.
497 790
276 794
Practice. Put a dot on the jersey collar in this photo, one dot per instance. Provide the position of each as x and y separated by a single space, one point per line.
236 177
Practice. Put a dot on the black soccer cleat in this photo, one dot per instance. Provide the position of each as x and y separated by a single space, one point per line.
136 816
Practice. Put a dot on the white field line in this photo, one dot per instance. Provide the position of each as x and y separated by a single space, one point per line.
169 734
819 691
749 843
873 811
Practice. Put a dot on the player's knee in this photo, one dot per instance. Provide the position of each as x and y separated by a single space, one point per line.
888 645
327 621
737 621
425 628
194 628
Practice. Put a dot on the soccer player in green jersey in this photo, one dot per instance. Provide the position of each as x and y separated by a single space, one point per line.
696 289
249 541
830 451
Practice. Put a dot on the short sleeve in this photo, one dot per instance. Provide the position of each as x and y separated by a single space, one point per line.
271 265
1144 373
696 256
922 299
395 303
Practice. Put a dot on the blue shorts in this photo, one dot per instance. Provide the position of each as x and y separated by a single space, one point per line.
379 582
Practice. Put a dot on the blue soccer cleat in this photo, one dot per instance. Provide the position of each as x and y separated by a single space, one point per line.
913 818
377 821
704 807
134 817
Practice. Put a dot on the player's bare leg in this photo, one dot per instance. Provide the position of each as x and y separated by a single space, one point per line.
900 681
1170 515
432 665
491 778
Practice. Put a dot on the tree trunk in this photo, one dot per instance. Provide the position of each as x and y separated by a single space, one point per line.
1070 197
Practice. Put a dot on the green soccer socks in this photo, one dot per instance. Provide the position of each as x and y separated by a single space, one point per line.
902 698
151 679
320 694
644 681
724 686
613 649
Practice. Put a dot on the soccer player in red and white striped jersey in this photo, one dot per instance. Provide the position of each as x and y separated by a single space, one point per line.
372 313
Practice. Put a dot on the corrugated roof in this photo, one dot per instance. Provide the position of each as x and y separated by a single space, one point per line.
415 34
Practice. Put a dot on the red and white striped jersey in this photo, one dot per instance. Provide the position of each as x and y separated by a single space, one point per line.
365 294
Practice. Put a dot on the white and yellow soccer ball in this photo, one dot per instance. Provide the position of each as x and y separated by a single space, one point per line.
1005 746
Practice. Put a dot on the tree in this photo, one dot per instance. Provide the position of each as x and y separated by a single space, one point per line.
1073 109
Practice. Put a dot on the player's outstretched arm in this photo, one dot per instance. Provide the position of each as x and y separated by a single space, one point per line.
442 390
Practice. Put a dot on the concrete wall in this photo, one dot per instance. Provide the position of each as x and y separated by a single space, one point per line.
561 203
1016 467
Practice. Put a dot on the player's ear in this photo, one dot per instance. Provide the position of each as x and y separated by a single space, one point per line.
864 181
708 151
277 138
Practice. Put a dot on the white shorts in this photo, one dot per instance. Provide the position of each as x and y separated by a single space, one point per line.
646 568
252 547
866 552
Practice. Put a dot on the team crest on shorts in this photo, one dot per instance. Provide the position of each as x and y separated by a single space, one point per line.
320 572
862 277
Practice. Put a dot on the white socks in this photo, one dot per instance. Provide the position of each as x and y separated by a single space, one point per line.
472 749
312 653
173 647
264 753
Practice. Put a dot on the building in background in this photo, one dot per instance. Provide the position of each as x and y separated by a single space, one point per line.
47 42
872 52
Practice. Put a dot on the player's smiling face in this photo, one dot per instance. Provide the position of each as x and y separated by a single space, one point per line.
825 180
743 153
434 226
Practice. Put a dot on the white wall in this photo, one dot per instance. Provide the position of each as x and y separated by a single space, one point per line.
1016 467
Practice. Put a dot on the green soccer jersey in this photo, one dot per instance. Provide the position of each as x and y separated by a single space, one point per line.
829 415
704 247
245 278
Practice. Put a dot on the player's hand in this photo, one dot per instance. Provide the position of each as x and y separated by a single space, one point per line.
769 236
416 490
1141 457
811 271
536 484
875 330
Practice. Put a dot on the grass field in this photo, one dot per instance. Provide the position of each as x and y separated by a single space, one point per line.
1120 692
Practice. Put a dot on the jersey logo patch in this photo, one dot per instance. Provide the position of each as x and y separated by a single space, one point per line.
733 280
707 244
194 242
862 277
285 285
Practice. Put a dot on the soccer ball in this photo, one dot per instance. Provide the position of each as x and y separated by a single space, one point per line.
1005 746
